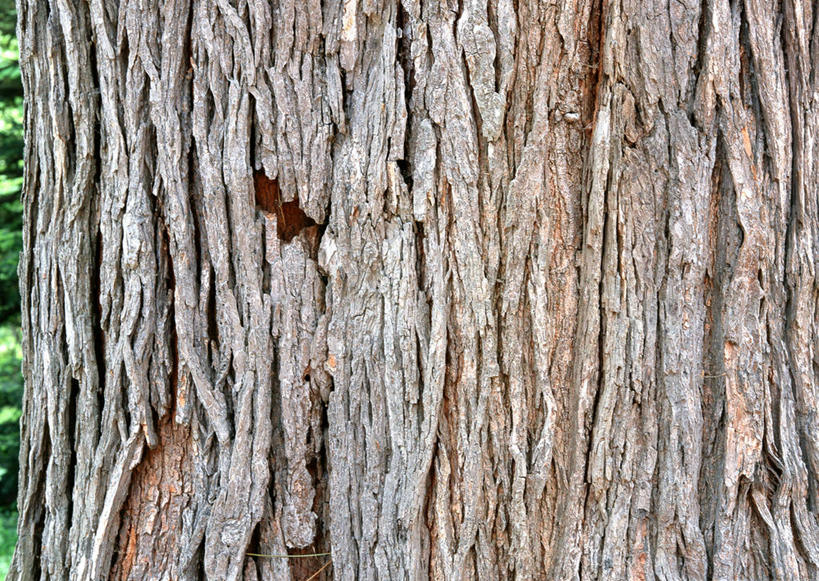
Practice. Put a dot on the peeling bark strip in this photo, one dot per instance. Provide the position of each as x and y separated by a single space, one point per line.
453 290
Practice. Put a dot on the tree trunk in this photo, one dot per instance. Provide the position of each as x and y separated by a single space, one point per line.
449 290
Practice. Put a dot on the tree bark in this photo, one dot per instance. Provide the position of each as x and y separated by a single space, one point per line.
450 290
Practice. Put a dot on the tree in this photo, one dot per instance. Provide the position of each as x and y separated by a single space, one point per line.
450 290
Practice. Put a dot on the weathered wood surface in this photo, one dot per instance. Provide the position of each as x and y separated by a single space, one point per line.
452 289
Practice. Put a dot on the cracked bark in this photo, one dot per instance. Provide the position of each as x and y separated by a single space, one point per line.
451 290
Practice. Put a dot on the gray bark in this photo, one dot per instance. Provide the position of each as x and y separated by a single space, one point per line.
452 290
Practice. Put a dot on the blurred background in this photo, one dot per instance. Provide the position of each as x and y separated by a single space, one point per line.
11 212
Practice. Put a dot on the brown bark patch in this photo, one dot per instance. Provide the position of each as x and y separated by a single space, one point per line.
290 218
151 532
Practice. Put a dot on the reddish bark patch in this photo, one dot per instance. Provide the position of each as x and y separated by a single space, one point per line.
268 197
151 532
290 219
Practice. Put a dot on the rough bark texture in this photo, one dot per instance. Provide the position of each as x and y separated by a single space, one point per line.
468 289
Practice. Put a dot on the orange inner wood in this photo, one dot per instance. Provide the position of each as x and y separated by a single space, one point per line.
290 219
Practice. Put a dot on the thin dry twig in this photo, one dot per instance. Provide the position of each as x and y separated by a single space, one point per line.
323 567
289 556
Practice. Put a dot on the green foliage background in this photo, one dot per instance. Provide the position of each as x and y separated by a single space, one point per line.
11 223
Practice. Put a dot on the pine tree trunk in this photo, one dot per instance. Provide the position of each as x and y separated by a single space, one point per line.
450 290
